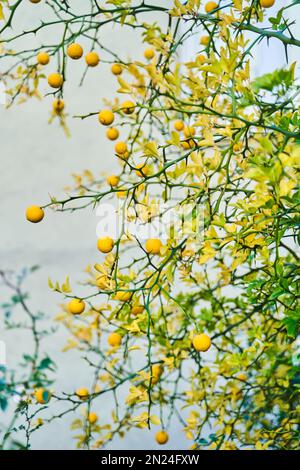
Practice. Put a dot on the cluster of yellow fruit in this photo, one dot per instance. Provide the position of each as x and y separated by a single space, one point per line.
267 3
77 307
201 342
75 52
84 394
106 117
56 79
153 246
188 132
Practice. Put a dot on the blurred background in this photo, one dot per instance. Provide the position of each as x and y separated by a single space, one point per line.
37 160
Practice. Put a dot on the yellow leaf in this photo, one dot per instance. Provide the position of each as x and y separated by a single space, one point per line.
134 348
66 286
71 344
285 186
189 435
125 87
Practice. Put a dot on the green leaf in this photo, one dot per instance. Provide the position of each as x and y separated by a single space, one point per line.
292 323
276 293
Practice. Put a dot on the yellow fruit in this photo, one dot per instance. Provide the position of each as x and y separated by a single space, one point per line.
137 309
42 396
210 6
101 282
189 131
114 340
179 125
106 117
204 40
93 418
153 246
116 69
105 244
267 3
58 105
113 180
92 59
156 372
162 437
120 148
75 51
128 107
55 80
34 214
142 170
123 296
202 342
82 393
112 133
76 306
149 53
43 58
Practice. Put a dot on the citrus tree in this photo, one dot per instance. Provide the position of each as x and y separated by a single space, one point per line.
191 312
